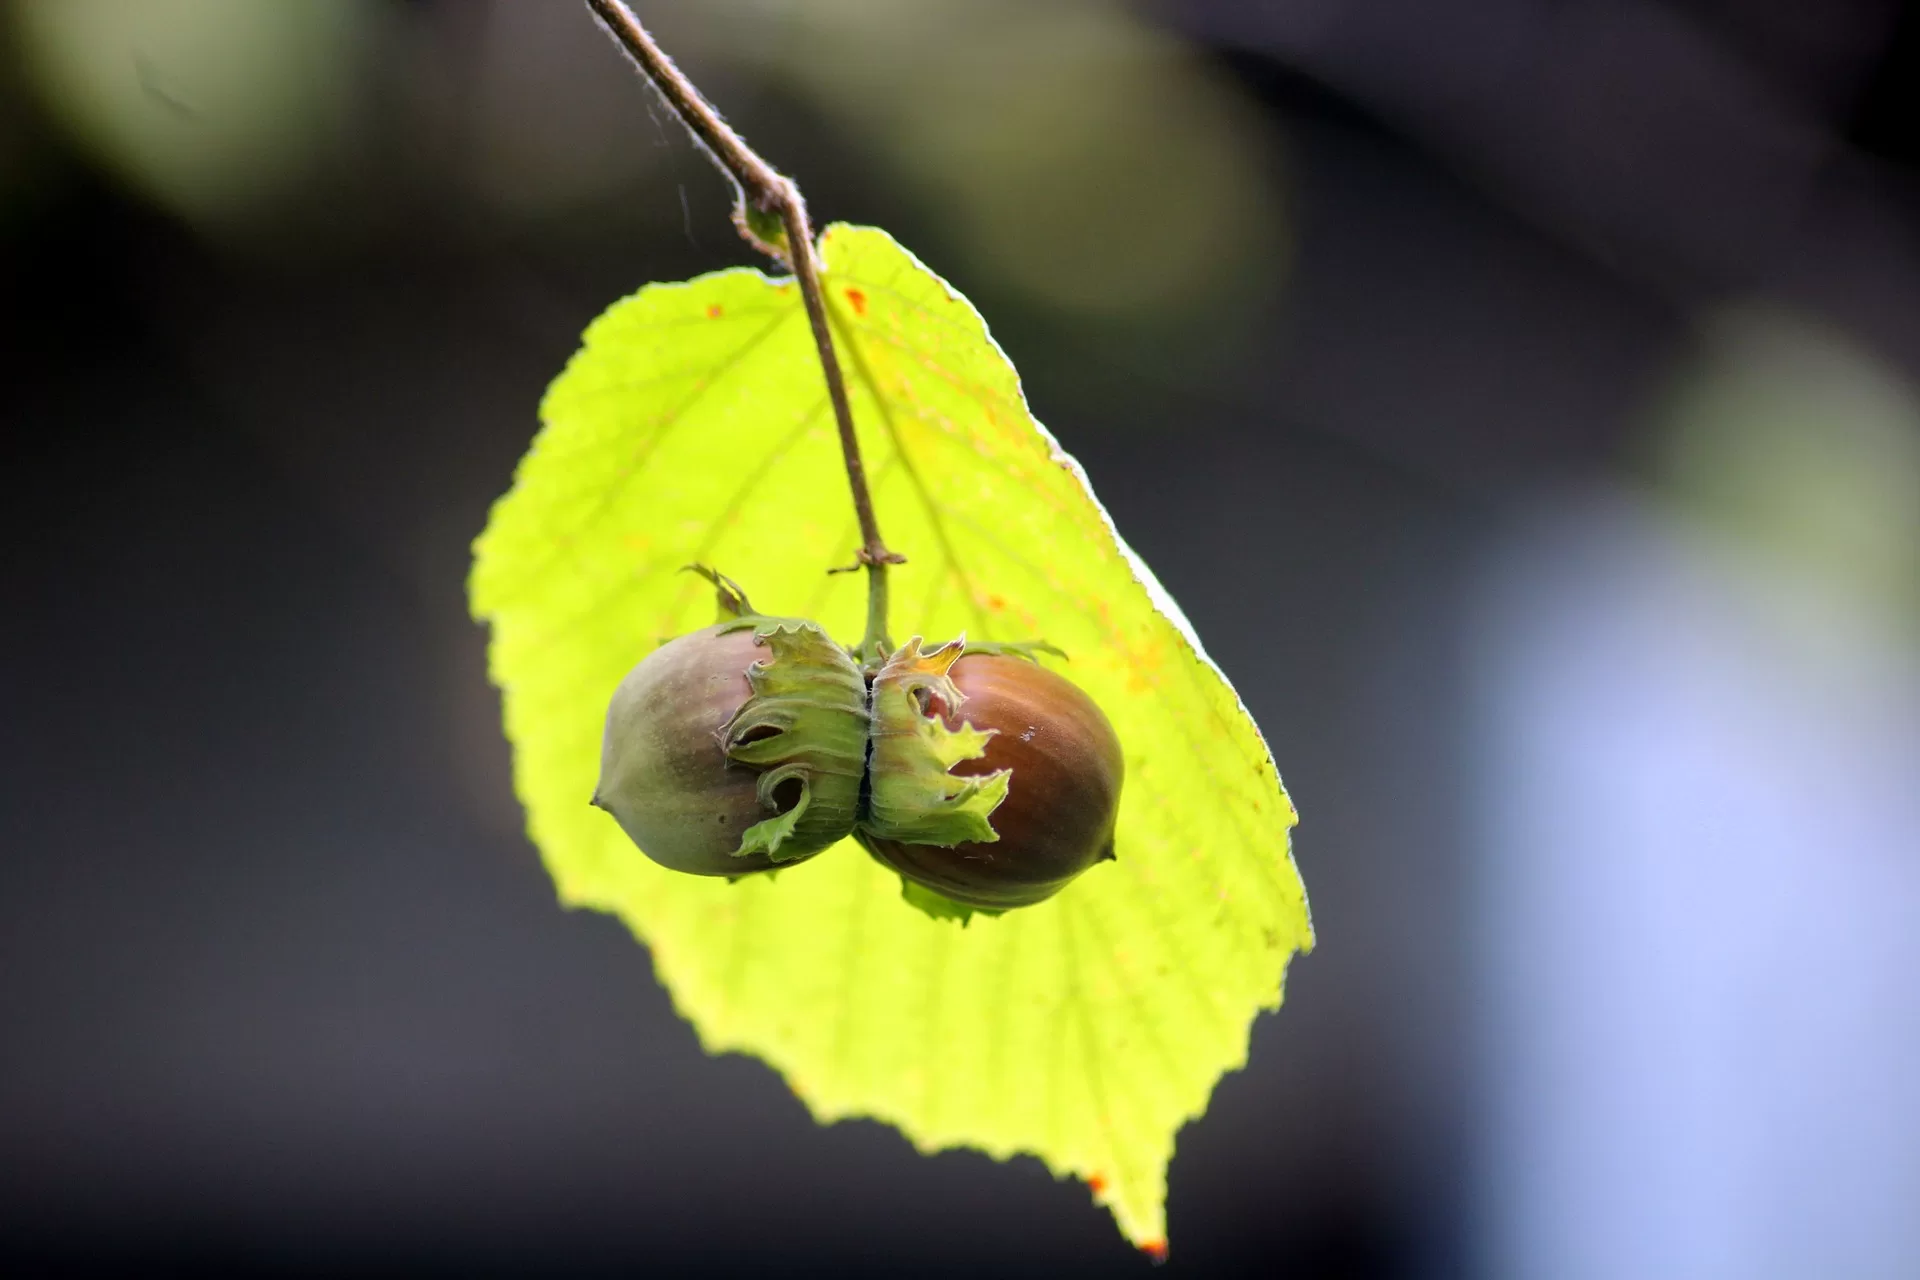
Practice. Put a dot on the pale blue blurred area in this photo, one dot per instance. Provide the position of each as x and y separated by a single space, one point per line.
1697 821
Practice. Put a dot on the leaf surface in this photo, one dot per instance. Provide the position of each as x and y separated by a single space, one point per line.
694 425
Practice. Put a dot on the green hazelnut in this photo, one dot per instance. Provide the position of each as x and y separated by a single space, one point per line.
737 748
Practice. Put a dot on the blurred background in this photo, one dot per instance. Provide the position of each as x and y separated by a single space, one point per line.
1519 396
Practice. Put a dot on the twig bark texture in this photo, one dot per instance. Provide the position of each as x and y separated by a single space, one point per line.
771 215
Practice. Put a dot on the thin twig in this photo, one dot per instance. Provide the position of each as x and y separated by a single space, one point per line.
772 217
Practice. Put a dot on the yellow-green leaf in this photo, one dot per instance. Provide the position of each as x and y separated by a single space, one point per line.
694 426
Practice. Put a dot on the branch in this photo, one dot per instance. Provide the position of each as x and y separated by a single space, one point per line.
772 217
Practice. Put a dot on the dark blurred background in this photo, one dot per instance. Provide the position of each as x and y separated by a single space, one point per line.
1518 394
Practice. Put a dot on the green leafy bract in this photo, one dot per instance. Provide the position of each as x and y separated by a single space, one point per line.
936 904
915 798
694 426
805 724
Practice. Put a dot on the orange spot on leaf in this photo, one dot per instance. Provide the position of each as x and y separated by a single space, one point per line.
1155 1249
859 301
1096 1184
713 312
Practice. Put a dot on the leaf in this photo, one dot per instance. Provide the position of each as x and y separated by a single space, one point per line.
694 426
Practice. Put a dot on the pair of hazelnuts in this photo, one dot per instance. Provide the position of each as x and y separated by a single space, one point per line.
758 742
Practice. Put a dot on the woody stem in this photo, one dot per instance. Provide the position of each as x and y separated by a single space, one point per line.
766 198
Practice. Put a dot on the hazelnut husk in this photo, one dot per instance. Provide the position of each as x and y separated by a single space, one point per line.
1062 768
737 748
